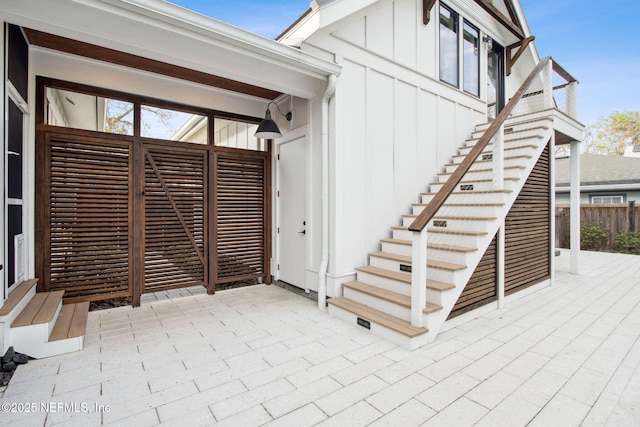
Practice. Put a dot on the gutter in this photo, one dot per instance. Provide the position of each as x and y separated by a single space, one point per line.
324 263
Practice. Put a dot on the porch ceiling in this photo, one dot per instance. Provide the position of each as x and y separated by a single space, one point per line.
223 55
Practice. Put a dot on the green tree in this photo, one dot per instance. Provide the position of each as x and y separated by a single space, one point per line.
609 135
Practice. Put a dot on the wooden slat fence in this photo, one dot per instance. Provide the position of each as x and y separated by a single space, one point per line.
612 218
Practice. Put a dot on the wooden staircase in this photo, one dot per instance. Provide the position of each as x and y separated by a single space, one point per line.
458 236
39 324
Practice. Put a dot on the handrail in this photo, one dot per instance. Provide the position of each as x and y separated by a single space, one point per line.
450 184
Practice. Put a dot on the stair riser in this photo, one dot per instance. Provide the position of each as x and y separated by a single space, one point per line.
447 210
449 256
475 226
470 176
524 130
402 288
384 283
396 310
454 224
470 197
477 186
520 151
485 165
469 241
380 331
33 340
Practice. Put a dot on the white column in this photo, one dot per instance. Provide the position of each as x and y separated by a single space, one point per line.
418 277
575 207
548 85
498 159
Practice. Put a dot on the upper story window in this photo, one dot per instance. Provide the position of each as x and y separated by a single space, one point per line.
448 46
459 51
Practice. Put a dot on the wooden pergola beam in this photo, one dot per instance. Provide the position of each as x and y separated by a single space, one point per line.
521 45
500 17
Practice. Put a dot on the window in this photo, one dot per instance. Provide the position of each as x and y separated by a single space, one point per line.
174 125
471 59
453 40
448 46
607 200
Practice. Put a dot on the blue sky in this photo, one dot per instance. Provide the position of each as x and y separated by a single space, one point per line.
597 42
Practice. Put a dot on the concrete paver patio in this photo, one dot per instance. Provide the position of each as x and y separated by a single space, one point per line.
565 355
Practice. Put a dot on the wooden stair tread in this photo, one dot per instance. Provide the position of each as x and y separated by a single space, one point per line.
431 308
491 160
458 218
439 286
388 274
417 205
406 277
72 321
483 170
376 316
442 230
473 181
383 294
16 295
519 147
41 309
471 192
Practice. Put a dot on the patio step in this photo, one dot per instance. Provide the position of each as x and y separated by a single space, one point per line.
382 324
44 326
72 321
17 295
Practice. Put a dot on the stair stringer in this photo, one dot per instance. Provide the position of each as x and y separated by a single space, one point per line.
435 321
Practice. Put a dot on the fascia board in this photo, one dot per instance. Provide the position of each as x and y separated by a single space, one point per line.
269 50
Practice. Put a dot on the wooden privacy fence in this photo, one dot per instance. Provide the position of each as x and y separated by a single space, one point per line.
612 218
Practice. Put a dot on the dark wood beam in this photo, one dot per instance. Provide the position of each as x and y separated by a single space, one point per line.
87 50
512 13
427 5
521 45
499 16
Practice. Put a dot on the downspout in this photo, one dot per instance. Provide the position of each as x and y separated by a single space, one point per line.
324 262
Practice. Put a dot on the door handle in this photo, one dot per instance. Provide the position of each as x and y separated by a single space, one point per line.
302 232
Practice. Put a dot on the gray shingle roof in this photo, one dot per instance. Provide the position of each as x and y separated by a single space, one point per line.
599 169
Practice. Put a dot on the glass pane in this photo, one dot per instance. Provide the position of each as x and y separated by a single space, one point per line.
234 134
448 46
88 112
162 123
471 61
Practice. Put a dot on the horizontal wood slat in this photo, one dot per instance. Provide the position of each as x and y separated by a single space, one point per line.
527 231
241 211
88 215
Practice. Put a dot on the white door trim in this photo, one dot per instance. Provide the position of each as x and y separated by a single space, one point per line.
293 135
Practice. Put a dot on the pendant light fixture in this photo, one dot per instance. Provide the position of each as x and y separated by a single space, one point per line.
268 129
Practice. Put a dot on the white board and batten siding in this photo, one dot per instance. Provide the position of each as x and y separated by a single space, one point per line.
394 127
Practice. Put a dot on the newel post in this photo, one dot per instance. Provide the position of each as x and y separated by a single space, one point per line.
418 277
547 81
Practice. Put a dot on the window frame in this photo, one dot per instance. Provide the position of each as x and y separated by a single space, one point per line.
607 196
461 82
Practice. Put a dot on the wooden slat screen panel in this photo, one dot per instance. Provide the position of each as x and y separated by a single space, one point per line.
88 213
527 231
241 210
481 288
176 246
